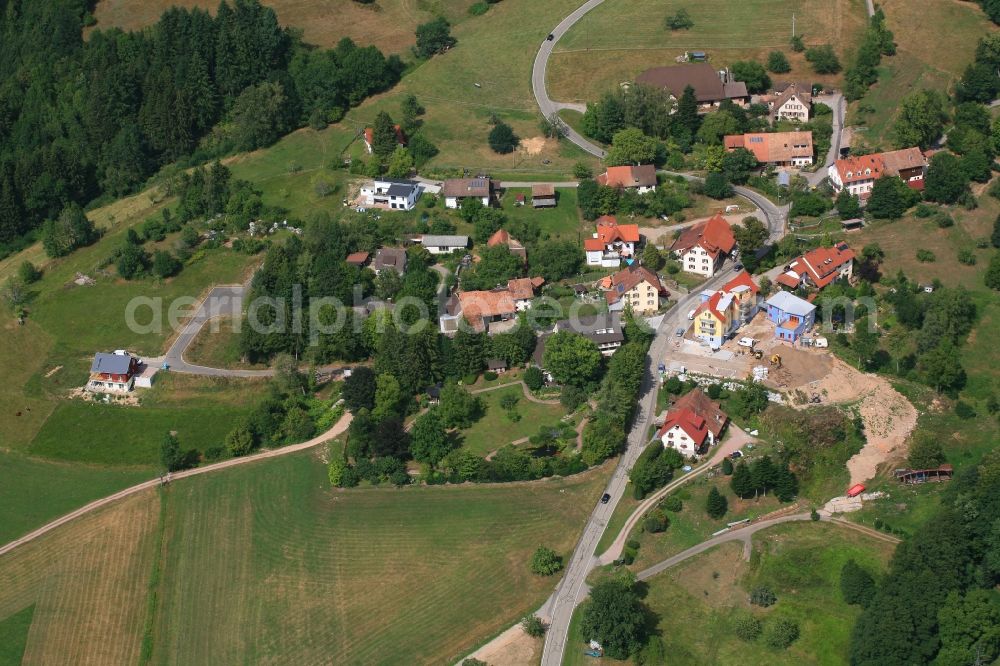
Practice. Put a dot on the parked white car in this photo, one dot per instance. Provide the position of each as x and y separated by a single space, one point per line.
821 343
747 342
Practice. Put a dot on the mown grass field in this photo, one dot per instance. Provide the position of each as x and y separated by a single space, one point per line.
934 46
266 563
698 601
619 39
495 428
218 348
563 221
388 24
201 410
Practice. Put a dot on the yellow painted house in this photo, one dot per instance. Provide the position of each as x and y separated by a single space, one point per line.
722 312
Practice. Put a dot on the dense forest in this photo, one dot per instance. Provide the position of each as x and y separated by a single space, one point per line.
81 120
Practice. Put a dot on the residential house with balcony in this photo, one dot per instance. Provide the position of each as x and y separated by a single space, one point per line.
389 194
703 248
858 174
611 243
604 330
818 268
792 316
692 425
635 286
721 313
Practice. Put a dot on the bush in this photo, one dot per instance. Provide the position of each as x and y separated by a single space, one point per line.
747 627
964 410
714 391
777 63
545 562
479 8
944 220
673 503
165 264
582 170
856 585
727 466
533 378
717 187
762 596
28 273
470 378
679 21
533 626
797 44
967 257
656 522
925 256
502 138
823 59
779 634
489 375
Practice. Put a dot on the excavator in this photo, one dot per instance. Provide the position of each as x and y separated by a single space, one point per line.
776 360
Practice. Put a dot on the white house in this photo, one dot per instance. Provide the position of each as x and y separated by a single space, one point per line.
455 190
611 243
113 373
704 247
693 425
389 194
444 244
793 102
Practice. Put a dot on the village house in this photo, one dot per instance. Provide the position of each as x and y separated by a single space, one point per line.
640 178
113 373
721 313
791 315
444 244
359 259
635 286
818 268
543 196
604 330
611 243
369 133
692 425
392 258
501 237
493 311
858 174
703 248
794 149
789 101
523 290
389 194
456 190
711 87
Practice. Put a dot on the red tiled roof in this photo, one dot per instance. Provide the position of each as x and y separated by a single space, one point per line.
626 279
742 279
712 305
773 147
476 304
857 166
609 231
788 281
400 136
357 258
714 235
628 176
823 264
523 288
593 245
692 424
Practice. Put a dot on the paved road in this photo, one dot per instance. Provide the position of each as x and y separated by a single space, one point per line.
838 104
545 103
338 428
221 301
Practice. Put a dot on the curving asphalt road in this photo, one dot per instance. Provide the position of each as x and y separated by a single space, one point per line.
571 590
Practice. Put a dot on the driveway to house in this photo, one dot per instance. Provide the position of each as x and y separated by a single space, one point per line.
338 428
838 104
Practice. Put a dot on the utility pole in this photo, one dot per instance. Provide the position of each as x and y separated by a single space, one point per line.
793 25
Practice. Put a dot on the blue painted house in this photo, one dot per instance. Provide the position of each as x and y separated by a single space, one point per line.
792 316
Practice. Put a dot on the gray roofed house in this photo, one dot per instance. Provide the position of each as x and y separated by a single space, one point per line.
454 190
113 373
604 330
710 88
444 244
390 257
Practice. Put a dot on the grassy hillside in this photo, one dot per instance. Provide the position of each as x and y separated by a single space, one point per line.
619 39
266 562
388 24
934 46
697 602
